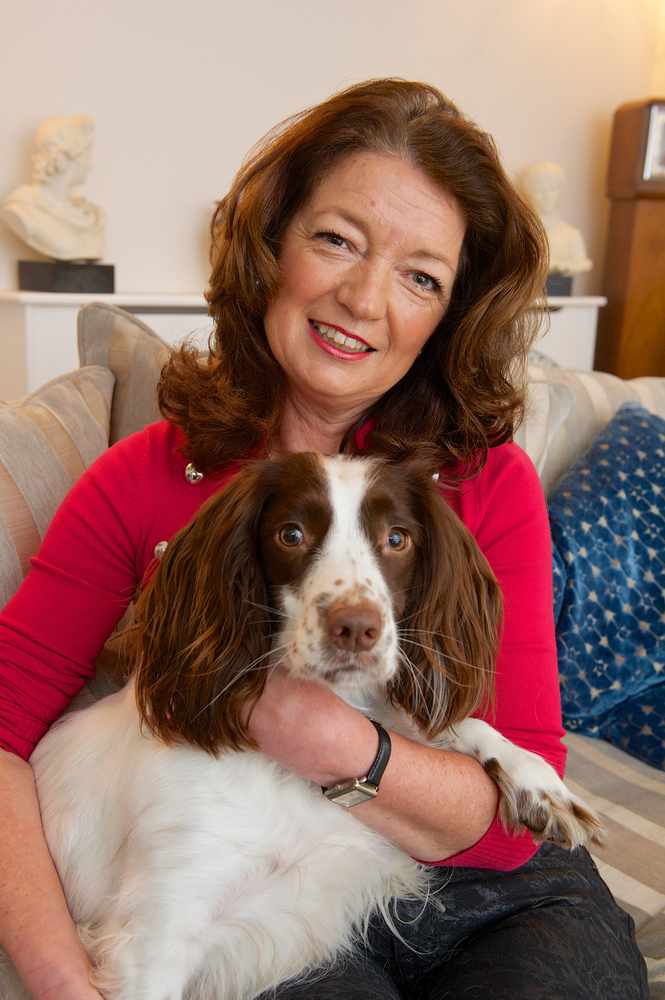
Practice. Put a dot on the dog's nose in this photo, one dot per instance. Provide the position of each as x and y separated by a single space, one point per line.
354 627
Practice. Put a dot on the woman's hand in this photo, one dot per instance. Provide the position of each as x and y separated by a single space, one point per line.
309 730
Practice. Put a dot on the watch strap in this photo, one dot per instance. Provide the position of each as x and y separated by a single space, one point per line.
352 791
380 762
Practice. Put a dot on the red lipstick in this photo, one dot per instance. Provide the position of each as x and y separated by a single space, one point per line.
334 349
347 333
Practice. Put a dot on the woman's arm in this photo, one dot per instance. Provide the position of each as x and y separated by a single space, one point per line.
36 929
432 803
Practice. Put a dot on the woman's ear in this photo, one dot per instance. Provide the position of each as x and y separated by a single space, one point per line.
200 639
453 621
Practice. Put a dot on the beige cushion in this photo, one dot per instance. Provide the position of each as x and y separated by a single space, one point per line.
590 400
47 439
114 338
630 797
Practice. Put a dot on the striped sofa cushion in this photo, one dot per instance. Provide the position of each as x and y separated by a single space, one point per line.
566 410
630 798
47 439
115 339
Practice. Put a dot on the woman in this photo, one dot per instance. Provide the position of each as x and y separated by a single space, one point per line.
372 269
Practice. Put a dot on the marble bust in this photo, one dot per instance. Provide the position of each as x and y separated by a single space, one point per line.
46 214
541 185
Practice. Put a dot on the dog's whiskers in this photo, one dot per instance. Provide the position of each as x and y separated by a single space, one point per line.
432 632
439 652
404 590
406 618
434 708
246 670
268 608
416 676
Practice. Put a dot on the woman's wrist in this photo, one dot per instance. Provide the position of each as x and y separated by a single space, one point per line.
50 979
351 752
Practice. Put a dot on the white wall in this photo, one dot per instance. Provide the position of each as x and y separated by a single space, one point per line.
180 90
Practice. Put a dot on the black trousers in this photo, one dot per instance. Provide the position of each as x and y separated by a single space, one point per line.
547 931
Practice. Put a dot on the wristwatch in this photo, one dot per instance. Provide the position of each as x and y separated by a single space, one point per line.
353 791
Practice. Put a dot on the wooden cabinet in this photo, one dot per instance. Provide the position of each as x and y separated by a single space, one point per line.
631 328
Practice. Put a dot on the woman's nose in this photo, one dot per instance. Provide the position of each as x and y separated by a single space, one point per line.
364 289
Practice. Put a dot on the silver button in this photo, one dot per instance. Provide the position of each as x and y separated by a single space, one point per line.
159 549
192 475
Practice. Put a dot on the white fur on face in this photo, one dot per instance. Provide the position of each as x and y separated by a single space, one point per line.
346 571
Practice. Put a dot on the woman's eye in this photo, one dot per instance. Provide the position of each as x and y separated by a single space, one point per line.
398 539
426 282
334 239
291 535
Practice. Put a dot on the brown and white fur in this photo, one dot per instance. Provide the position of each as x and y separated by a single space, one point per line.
196 871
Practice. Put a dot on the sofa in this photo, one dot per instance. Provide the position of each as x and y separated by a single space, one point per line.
48 438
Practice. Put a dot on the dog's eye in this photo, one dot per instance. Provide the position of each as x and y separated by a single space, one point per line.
398 539
291 535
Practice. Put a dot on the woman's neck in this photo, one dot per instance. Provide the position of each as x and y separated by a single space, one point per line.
305 429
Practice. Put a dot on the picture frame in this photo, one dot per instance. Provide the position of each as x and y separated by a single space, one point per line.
653 167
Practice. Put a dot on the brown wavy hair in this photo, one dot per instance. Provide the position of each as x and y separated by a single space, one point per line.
465 391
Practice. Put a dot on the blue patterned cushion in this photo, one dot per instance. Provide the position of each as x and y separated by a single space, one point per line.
608 532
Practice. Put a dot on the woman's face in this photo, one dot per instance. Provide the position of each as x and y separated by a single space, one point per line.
367 269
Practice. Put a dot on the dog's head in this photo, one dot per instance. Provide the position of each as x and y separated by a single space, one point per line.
350 571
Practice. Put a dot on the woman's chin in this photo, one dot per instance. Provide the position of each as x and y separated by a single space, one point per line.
338 396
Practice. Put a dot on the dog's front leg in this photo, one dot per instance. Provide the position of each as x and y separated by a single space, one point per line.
532 793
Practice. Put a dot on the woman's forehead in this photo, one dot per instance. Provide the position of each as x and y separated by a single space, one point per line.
394 198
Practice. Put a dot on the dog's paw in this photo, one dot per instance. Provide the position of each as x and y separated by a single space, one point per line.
547 808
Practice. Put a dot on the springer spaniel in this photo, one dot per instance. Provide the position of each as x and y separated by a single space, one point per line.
197 872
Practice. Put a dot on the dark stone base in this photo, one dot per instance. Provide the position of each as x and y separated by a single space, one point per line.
65 276
559 284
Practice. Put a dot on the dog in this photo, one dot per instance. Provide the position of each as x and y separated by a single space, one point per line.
194 866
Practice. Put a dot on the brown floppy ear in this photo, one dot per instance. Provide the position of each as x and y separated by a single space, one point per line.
199 642
451 626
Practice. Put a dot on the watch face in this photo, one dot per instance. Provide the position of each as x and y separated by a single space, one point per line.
351 798
353 794
654 159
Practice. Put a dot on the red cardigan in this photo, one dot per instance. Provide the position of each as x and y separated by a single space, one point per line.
101 542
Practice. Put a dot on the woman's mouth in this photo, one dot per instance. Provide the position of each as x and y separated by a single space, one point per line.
339 343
